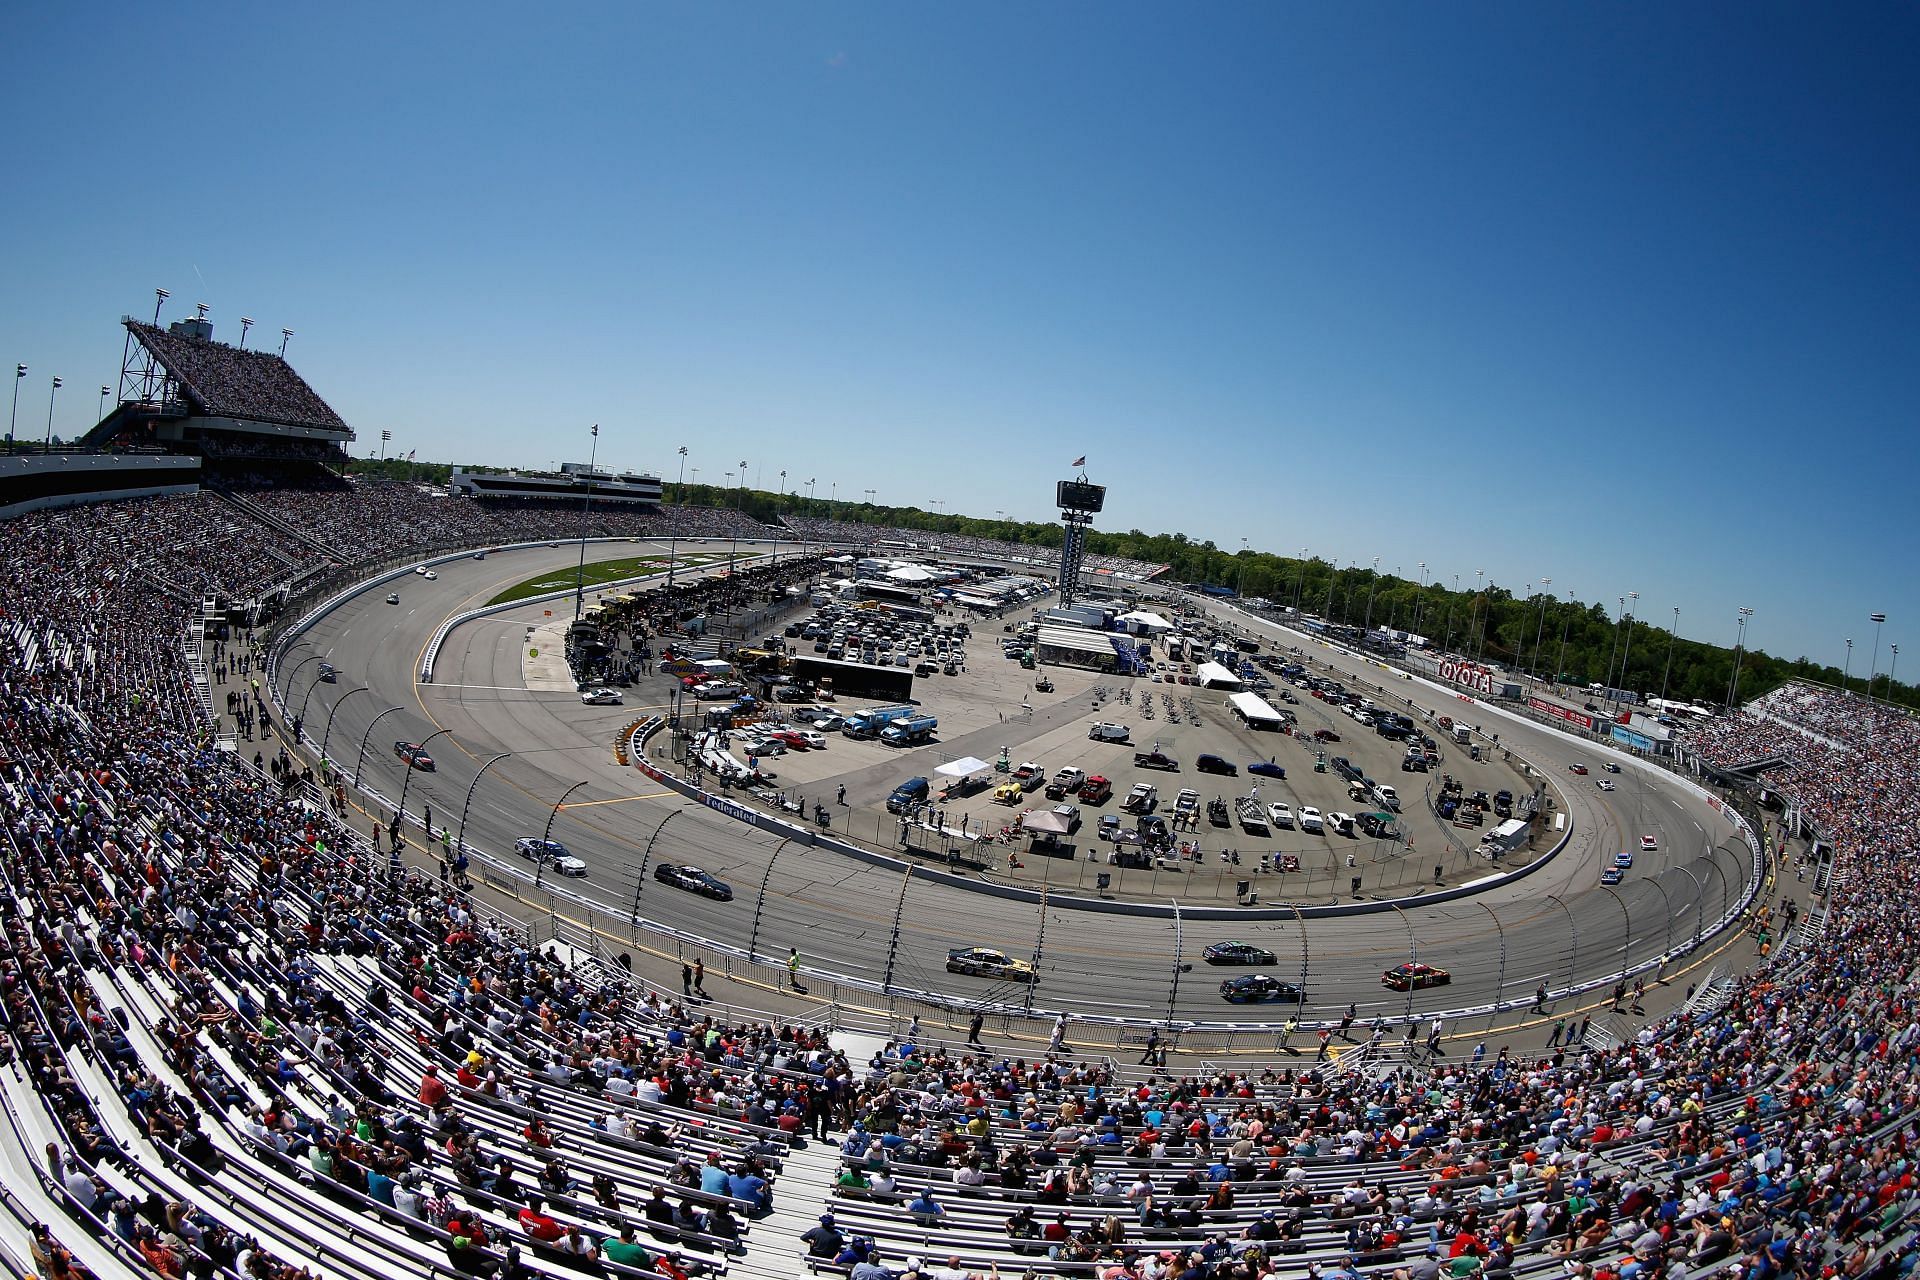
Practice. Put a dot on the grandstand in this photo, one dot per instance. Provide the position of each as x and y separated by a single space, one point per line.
183 392
242 1042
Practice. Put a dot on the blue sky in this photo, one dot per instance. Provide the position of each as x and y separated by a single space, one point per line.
1621 296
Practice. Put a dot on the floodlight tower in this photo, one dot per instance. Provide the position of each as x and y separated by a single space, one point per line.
1079 501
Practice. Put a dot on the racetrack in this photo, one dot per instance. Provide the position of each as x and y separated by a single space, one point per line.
1554 926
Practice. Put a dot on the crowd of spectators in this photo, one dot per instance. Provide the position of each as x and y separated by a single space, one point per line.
206 977
1853 767
360 520
853 533
254 385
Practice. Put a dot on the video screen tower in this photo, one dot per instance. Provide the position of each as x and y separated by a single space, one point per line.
1078 501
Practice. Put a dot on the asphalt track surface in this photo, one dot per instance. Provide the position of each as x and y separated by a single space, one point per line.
1554 926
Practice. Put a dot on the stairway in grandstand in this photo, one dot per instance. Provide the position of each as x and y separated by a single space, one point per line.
1758 765
257 512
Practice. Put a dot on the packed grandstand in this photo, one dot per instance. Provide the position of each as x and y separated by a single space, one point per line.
243 1042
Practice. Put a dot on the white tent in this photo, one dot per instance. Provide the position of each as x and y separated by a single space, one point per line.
961 768
1213 675
1256 710
1145 622
909 573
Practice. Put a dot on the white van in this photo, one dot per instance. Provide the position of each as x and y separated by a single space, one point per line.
1462 733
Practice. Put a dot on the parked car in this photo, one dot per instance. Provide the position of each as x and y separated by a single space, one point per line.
601 697
1071 813
1413 976
1096 790
413 755
988 963
812 739
1325 735
1280 816
552 853
1207 762
694 880
1267 769
1310 820
1260 988
1237 953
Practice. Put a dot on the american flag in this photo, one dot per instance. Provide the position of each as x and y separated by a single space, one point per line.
1080 461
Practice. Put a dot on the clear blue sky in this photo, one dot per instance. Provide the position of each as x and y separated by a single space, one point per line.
1622 295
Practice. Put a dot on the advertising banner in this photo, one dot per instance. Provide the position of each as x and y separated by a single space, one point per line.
1558 712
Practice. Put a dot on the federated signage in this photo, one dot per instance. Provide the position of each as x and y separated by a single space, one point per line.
1558 712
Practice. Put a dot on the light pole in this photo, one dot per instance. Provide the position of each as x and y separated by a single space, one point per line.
1626 650
19 372
286 336
1541 626
409 778
331 713
1613 650
1566 621
1673 633
493 760
246 323
1372 586
870 497
1241 590
50 395
1301 584
1479 575
1421 599
673 530
1733 686
1875 618
367 737
1847 669
1891 667
739 506
101 414
580 574
540 863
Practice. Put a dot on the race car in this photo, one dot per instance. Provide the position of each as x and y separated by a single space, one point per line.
1260 988
1237 953
1577 768
1612 875
1649 845
989 963
1605 784
413 755
694 880
600 697
552 853
1413 975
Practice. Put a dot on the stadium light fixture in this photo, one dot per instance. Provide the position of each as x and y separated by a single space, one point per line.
104 393
159 296
673 527
201 309
246 323
50 395
1877 619
19 372
285 336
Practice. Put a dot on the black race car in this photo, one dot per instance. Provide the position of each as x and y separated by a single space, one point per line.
1260 988
1237 953
693 879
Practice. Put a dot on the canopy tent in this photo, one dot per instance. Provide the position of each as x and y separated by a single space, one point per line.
1144 622
1045 822
909 573
1253 708
963 767
1213 675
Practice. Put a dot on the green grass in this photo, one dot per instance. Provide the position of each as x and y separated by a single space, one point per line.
596 573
